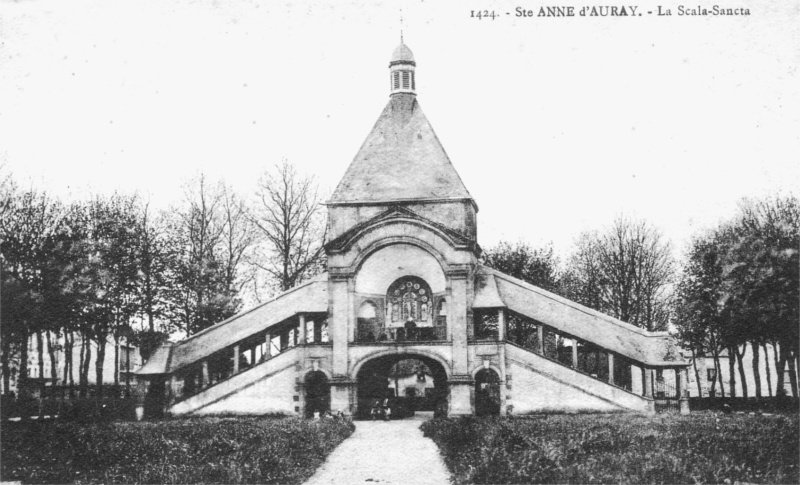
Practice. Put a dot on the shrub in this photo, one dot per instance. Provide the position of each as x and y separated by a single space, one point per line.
195 450
702 447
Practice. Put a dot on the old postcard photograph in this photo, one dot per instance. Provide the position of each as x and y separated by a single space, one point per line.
406 242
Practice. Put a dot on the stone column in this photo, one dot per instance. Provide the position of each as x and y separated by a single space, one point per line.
540 335
610 368
636 380
460 382
648 389
173 389
206 380
457 314
501 322
235 359
338 330
268 351
574 353
682 376
460 395
141 398
302 337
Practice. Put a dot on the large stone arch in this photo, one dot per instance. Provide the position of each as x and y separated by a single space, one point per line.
420 260
371 376
376 246
399 232
378 226
403 353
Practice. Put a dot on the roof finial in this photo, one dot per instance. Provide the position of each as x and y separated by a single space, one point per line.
401 25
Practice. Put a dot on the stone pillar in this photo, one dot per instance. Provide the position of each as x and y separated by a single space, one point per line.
648 389
302 337
351 309
574 353
236 359
540 335
206 380
339 322
611 368
636 380
501 322
457 314
252 356
338 330
268 340
460 381
342 395
460 396
682 376
173 389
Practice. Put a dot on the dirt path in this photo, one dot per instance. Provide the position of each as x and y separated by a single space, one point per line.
384 452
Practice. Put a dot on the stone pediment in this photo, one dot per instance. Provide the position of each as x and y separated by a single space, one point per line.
400 215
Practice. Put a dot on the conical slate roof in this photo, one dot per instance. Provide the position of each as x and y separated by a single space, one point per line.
400 160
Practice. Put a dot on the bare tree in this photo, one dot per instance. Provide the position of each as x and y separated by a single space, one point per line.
238 236
290 223
213 234
626 272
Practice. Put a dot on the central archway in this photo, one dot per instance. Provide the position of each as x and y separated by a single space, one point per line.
406 383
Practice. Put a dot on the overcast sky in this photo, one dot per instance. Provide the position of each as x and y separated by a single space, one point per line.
555 125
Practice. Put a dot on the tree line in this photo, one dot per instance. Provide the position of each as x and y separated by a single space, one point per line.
737 289
111 267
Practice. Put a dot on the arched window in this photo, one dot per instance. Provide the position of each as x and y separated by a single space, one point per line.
367 322
367 310
442 313
409 298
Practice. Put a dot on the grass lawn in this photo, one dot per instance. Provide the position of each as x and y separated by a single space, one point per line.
195 450
699 448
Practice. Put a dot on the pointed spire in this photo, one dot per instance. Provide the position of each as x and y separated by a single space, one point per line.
401 25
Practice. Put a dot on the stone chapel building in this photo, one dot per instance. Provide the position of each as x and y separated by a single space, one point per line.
404 282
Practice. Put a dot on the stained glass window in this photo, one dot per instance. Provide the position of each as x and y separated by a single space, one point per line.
410 300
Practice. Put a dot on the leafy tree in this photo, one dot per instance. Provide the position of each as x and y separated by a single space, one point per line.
103 274
761 279
28 233
698 313
537 266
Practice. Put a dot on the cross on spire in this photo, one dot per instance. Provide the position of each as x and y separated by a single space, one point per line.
401 25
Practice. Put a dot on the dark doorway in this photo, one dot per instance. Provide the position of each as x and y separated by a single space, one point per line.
405 383
487 393
155 399
318 393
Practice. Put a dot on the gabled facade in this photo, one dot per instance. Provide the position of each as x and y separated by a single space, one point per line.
404 282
